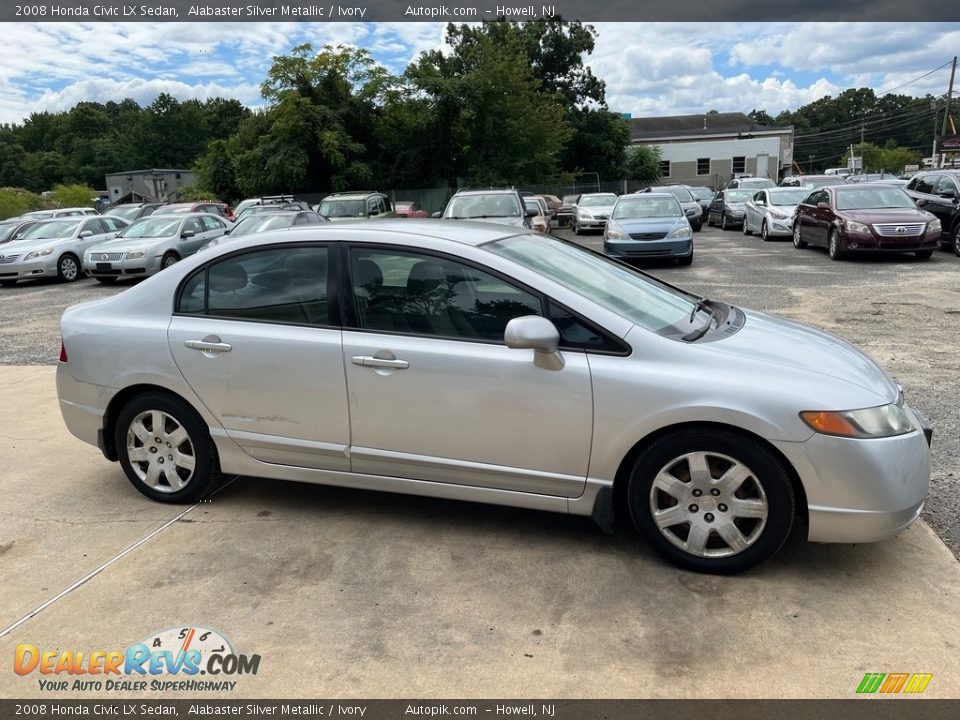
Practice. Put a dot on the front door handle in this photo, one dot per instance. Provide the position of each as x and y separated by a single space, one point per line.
210 344
371 361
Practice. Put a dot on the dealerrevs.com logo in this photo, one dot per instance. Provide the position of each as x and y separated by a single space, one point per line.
187 659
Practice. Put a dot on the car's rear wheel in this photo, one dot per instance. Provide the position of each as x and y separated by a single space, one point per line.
165 448
711 500
68 268
797 241
764 231
168 260
833 246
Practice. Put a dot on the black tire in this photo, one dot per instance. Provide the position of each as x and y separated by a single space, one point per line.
688 260
68 268
924 254
170 258
697 226
106 280
797 242
768 481
833 246
8 283
764 231
576 229
746 230
197 445
956 240
710 222
723 221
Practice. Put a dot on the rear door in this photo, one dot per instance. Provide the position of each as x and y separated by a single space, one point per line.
253 336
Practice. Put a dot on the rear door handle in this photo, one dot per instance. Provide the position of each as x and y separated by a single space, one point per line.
209 345
371 361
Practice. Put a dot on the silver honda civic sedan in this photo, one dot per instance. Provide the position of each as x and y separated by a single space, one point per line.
485 363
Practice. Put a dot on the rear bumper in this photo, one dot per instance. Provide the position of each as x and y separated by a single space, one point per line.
82 405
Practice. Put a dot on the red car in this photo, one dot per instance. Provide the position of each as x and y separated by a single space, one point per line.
408 209
866 217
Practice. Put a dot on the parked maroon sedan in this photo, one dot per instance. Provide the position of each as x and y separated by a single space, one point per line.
865 217
407 209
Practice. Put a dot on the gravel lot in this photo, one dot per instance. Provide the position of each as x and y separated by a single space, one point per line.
902 311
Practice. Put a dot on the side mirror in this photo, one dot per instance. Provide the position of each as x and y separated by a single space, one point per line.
86 234
823 205
536 333
187 234
437 215
761 202
530 213
948 193
228 231
374 212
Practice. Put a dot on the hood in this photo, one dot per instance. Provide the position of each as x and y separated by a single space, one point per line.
16 246
788 210
887 215
777 341
647 225
514 221
597 209
738 206
125 244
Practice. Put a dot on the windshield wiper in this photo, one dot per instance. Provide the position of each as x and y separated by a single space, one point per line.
707 304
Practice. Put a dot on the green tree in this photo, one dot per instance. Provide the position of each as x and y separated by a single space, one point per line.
74 195
643 163
215 171
17 201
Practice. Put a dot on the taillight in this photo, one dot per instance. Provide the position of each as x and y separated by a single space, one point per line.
63 352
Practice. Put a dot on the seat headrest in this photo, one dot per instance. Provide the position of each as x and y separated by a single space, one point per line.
227 277
369 275
425 276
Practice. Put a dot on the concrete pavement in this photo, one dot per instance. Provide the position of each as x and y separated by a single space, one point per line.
351 594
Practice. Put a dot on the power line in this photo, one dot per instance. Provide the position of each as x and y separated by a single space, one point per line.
910 82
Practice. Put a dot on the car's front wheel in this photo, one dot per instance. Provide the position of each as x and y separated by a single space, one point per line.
165 448
168 260
833 247
956 240
711 500
764 231
68 268
745 227
798 242
723 221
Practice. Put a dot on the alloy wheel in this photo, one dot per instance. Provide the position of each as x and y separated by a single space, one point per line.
68 268
160 451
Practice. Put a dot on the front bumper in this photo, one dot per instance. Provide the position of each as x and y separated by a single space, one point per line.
639 249
591 223
45 266
779 226
870 242
137 267
862 490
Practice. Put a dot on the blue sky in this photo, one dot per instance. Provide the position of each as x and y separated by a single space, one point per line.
649 68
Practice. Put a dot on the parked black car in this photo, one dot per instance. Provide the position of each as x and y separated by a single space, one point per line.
938 192
728 208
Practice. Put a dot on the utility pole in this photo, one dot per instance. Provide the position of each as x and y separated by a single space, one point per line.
810 166
946 115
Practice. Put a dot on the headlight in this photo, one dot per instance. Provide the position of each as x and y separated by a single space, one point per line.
875 422
934 225
778 215
585 215
681 233
134 254
616 235
38 253
857 227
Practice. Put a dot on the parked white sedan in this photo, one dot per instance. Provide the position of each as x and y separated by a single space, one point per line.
152 244
55 248
486 363
770 212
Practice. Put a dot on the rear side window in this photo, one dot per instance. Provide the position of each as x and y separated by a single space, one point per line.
925 184
211 223
280 285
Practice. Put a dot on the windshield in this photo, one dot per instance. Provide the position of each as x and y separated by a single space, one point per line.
737 196
647 207
532 205
342 208
38 215
873 198
6 231
820 182
479 206
627 292
756 182
598 200
680 193
127 213
570 199
787 197
262 223
151 227
701 193
52 230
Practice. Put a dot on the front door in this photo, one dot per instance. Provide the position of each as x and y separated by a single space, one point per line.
436 395
251 335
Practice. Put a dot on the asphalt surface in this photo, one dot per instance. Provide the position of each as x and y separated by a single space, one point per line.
900 310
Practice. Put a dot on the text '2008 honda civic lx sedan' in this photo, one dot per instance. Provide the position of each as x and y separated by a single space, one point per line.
487 363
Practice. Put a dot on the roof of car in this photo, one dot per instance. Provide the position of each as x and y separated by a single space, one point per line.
487 191
353 195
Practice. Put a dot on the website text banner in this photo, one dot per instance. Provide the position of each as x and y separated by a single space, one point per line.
459 11
108 707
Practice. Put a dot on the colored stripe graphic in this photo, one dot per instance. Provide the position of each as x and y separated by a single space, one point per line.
870 683
918 682
894 682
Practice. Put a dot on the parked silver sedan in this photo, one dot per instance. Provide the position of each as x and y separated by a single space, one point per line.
152 244
490 365
770 212
55 248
